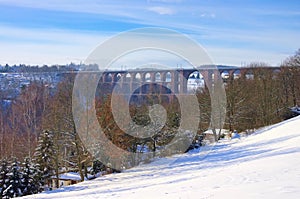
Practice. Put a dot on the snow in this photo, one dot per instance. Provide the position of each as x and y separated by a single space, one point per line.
73 176
221 131
235 136
265 164
69 176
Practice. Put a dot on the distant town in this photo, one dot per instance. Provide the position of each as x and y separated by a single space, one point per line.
15 78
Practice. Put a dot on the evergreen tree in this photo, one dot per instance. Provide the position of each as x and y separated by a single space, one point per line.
4 170
14 182
38 178
43 156
31 181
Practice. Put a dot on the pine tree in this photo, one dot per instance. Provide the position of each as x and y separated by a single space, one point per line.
14 181
4 170
44 154
38 179
31 183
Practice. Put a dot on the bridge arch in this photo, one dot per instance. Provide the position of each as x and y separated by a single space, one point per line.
127 77
168 77
236 74
225 74
249 74
107 77
158 77
195 81
147 77
117 77
138 77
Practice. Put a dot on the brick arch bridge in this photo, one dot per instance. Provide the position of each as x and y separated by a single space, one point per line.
174 81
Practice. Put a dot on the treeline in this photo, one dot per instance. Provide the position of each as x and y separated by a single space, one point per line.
22 68
258 99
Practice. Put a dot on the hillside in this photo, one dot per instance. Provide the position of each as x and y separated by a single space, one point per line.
263 165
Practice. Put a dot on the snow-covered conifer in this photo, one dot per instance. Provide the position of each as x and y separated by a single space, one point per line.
31 182
44 155
4 170
14 188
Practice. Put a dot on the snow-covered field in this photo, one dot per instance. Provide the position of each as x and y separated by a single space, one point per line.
263 165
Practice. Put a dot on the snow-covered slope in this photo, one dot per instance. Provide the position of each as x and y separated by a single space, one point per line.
263 165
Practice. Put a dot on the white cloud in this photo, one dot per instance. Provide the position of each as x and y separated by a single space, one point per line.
116 9
38 47
162 10
206 15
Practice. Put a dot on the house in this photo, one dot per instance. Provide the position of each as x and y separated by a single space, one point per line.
66 179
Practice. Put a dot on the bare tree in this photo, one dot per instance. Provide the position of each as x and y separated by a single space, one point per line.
291 78
31 109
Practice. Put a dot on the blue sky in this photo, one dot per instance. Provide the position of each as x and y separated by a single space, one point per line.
233 32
